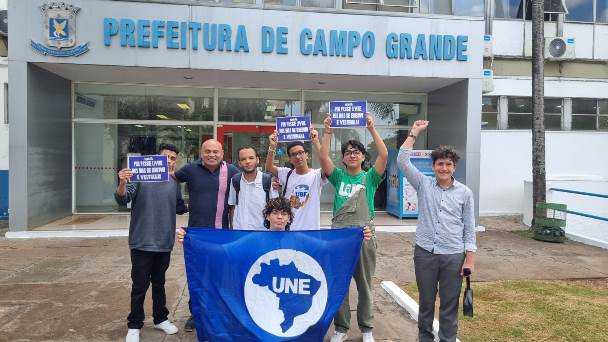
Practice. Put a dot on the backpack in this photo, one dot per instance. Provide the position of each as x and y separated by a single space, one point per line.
266 184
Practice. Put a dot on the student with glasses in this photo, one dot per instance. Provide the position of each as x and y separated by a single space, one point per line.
302 184
355 190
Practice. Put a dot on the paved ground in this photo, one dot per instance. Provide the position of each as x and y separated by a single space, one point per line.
78 290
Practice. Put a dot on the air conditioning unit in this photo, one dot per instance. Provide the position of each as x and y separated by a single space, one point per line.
559 48
487 83
487 45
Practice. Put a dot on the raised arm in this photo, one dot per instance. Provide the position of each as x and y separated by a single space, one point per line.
327 165
382 159
413 175
272 149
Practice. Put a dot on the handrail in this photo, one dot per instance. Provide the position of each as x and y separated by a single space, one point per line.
579 192
601 218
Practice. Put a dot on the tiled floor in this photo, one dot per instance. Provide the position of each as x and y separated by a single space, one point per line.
121 221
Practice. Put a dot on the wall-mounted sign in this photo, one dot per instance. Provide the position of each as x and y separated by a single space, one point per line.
59 31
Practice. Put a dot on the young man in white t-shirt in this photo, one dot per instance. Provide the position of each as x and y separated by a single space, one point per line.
301 185
253 185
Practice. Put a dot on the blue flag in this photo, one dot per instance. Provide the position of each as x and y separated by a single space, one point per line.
268 286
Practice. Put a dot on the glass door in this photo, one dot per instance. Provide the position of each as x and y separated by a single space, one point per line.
232 137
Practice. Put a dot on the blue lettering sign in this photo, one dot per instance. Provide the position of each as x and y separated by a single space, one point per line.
296 128
267 39
282 40
149 168
348 113
305 46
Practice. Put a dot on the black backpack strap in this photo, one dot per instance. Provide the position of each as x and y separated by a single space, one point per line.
236 184
287 181
267 184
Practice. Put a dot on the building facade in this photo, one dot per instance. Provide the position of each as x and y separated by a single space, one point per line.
127 76
139 73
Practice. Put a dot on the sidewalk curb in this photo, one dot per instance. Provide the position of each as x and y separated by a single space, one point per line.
61 234
106 233
408 303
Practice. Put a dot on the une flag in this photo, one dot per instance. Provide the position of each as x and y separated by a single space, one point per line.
268 286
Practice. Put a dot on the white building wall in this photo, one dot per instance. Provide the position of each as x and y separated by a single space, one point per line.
506 161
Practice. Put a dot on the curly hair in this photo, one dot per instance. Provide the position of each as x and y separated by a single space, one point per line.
445 152
278 204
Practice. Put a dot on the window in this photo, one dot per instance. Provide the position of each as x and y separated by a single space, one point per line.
489 112
584 114
318 3
441 6
580 10
100 101
548 16
520 113
602 120
472 8
601 11
508 9
553 114
248 105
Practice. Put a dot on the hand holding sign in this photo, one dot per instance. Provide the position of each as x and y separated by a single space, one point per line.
124 175
369 121
273 141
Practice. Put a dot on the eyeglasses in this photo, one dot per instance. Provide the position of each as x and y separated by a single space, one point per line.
355 153
298 154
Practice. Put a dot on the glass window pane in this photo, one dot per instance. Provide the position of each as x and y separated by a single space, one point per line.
489 121
603 106
553 106
584 122
602 11
94 101
473 8
520 121
441 6
520 105
246 105
101 151
405 3
584 106
281 2
579 10
553 122
508 9
489 104
603 122
318 3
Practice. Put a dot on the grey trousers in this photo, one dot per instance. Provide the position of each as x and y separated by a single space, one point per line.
443 270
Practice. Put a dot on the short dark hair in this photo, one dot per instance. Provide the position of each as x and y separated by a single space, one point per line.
445 152
246 147
168 147
279 204
294 144
354 144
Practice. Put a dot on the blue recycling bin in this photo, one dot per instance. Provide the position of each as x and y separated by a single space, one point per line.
401 197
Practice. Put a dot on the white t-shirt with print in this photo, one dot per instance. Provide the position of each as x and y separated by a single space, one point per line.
304 194
252 200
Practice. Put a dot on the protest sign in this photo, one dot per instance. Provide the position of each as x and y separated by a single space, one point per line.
149 168
348 113
295 128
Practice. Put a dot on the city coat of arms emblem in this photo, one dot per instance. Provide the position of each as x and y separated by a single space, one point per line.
59 30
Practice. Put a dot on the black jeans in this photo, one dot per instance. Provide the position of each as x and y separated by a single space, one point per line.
146 268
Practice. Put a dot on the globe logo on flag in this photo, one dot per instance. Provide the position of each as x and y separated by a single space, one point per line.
285 292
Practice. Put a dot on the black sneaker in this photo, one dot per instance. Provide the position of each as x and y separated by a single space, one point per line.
190 325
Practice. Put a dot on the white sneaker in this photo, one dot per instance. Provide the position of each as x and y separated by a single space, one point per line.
132 335
166 326
338 337
368 337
